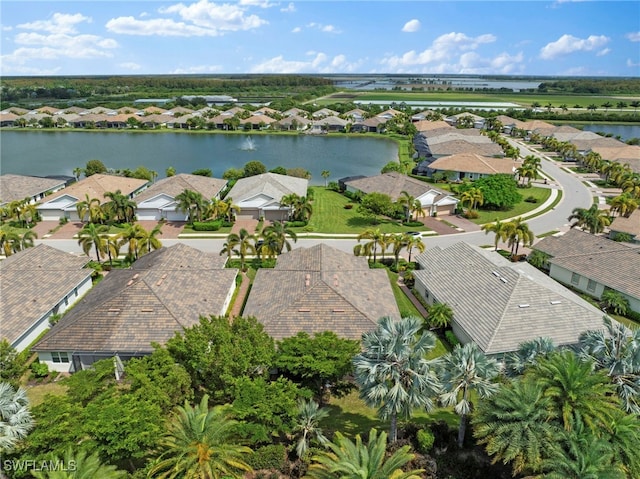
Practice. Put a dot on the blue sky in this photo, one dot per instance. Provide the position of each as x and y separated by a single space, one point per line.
565 37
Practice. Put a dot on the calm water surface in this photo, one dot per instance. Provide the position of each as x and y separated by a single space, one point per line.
58 153
626 132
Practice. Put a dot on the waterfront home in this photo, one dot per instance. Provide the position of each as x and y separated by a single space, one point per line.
593 264
320 289
36 285
31 188
130 309
472 166
626 225
498 304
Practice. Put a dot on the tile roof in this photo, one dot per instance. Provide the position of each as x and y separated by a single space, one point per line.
130 309
463 146
174 185
96 186
616 265
629 225
393 184
19 187
318 290
472 163
271 184
32 282
500 304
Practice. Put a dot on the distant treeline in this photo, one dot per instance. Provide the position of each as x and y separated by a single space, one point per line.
590 86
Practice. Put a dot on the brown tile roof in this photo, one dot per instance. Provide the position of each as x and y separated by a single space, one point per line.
174 185
130 309
536 125
32 282
19 187
472 163
292 298
97 185
426 125
616 265
629 225
392 184
463 146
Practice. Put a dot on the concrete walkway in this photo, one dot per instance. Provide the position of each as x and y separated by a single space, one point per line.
236 310
413 299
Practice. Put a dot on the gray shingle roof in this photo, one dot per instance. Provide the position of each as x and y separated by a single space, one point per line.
629 225
500 304
97 185
271 184
32 282
174 185
616 265
166 290
19 187
310 291
392 184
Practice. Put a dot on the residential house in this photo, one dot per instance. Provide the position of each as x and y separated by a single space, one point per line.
8 119
159 200
130 309
21 187
455 120
62 204
35 285
472 166
434 201
498 304
626 225
295 112
329 123
374 124
257 122
292 122
320 289
592 264
324 113
260 196
625 154
355 115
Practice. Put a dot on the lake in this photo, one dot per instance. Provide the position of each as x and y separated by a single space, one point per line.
626 132
43 153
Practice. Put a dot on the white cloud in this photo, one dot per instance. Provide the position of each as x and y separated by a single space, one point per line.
289 8
130 66
296 30
6 69
194 20
411 26
323 28
197 69
569 44
6 28
631 64
633 36
439 55
318 63
59 23
603 52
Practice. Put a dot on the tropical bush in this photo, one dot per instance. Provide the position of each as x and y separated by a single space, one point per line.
451 338
425 440
273 456
207 225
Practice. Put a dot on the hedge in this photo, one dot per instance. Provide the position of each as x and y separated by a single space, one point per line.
207 225
273 456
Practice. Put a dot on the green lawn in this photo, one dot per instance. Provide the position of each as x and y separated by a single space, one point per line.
330 216
405 305
37 393
541 194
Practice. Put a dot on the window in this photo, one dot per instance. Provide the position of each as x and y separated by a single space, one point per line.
60 357
575 278
591 286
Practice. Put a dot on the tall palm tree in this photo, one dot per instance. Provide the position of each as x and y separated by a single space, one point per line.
229 249
85 466
463 370
499 229
348 460
616 350
411 205
243 243
307 426
120 207
392 372
302 209
623 434
93 236
192 203
414 242
148 240
515 425
90 207
132 237
325 174
516 232
279 232
623 204
15 417
528 354
199 444
472 197
592 219
440 315
577 393
9 240
375 235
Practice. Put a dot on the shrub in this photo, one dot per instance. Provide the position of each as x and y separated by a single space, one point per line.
333 185
413 223
295 224
63 221
207 225
348 206
39 370
531 199
451 338
425 440
471 214
273 456
227 224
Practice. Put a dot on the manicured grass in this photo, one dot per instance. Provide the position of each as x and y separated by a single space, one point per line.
541 194
38 392
405 305
330 216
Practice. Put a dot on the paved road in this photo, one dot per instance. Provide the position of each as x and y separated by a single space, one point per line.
575 194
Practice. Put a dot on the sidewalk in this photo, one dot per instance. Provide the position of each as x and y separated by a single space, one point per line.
240 297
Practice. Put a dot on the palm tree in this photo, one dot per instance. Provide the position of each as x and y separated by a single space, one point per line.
93 236
516 232
440 315
243 241
623 204
302 209
499 229
375 235
414 242
229 249
348 460
411 205
392 372
133 236
112 247
515 425
148 240
198 444
623 434
192 203
325 174
398 242
473 197
616 350
279 231
77 172
577 393
307 426
9 240
85 466
528 354
593 219
27 239
122 209
463 370
15 418
91 207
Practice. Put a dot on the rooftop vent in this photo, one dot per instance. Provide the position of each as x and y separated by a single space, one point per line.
496 274
114 310
146 310
503 280
336 310
523 306
304 310
555 302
